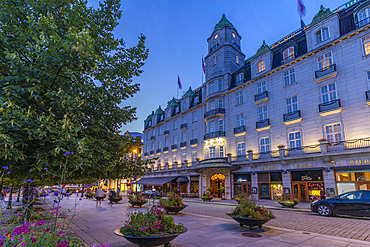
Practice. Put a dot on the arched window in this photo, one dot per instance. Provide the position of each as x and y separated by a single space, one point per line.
260 66
288 54
237 59
363 17
239 78
322 35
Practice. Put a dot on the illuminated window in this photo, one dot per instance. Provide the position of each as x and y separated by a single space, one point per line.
333 132
239 78
239 98
237 59
240 120
221 151
241 148
260 66
322 35
194 156
366 44
265 145
325 61
289 77
295 141
288 54
292 104
363 17
212 152
328 93
262 113
261 87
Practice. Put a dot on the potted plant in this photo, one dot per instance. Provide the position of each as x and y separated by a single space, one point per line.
116 198
173 203
150 228
89 194
136 200
206 197
222 190
250 214
241 196
281 146
288 200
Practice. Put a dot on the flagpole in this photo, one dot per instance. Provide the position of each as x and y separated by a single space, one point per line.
177 95
202 69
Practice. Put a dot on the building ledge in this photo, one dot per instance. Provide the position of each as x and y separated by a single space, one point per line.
264 128
240 134
328 76
330 112
293 121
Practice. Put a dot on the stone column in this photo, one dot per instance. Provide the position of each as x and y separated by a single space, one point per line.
323 145
254 183
287 183
200 185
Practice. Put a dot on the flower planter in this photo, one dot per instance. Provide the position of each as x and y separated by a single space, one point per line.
150 240
89 196
111 200
288 205
207 199
251 222
133 204
174 209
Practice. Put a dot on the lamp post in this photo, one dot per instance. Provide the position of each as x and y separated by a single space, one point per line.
135 157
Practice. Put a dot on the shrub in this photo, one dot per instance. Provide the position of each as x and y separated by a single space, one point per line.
172 201
248 208
136 198
288 198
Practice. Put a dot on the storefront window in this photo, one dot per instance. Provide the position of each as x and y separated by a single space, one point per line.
350 180
267 186
307 176
276 176
242 183
194 186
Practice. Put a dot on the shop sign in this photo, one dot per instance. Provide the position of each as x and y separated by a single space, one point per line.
241 180
359 162
299 166
268 168
362 178
306 178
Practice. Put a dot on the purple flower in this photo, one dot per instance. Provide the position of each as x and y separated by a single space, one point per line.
67 194
5 167
7 190
80 199
56 193
55 201
45 168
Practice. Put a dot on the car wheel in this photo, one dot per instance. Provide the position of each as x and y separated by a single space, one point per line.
324 210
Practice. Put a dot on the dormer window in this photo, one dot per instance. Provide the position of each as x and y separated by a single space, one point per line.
260 66
363 17
239 78
237 59
288 54
184 105
168 114
322 35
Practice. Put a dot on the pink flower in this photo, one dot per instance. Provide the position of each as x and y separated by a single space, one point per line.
22 244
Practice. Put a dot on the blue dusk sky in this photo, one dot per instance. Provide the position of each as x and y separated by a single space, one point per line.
177 33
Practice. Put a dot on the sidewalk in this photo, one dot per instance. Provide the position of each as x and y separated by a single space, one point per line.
305 207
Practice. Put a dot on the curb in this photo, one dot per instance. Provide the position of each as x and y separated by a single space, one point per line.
268 207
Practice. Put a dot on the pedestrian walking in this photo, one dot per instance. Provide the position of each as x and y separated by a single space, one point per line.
99 195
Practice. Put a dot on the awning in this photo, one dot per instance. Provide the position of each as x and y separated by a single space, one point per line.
182 179
216 163
158 181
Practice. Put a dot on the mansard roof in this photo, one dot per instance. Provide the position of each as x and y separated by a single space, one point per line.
321 15
263 49
223 22
150 116
172 102
189 93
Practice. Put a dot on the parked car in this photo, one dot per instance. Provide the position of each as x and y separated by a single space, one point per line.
151 193
354 203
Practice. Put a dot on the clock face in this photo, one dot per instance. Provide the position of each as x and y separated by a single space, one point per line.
216 36
234 35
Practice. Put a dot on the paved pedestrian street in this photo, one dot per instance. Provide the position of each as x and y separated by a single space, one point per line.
208 225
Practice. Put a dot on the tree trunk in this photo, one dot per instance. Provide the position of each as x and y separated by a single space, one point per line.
27 201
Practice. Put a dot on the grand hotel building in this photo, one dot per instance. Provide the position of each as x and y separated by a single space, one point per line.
293 117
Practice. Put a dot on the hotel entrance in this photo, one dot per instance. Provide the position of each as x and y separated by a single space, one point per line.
217 181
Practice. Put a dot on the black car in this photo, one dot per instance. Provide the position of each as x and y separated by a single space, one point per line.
354 203
151 194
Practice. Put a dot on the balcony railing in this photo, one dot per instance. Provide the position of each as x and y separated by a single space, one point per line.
194 141
214 135
238 130
330 106
349 145
174 146
159 150
263 124
261 97
166 133
367 93
152 152
183 126
292 116
165 149
325 71
182 144
152 138
214 112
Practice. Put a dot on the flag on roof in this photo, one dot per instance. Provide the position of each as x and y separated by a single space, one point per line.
204 67
301 8
179 82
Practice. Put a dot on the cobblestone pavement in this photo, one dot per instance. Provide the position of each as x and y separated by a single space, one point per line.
355 228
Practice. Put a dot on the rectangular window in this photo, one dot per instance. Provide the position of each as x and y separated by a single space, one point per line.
366 44
328 93
265 145
212 126
212 152
211 105
262 113
220 103
183 157
183 119
153 132
295 141
167 127
237 59
168 114
241 148
239 78
184 137
322 35
166 142
194 134
194 156
160 130
147 136
194 116
159 144
166 160
214 60
333 133
240 120
152 146
175 124
211 87
174 140
221 151
220 85
325 61
292 104
239 98
289 77
146 148
220 125
260 66
261 87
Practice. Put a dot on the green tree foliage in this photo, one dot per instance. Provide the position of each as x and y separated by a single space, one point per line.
63 76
